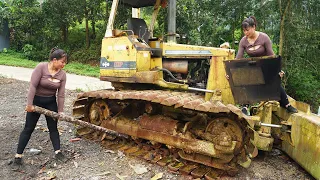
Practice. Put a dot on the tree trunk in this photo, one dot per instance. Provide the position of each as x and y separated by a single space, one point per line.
87 29
283 14
64 31
107 13
233 30
72 120
93 24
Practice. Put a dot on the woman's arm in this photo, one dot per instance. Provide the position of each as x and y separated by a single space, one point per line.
241 49
34 82
61 93
268 46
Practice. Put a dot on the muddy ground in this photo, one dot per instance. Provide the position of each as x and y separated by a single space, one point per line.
89 160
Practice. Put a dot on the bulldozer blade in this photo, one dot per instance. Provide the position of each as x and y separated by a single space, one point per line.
254 79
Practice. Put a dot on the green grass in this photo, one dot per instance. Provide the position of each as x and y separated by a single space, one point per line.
82 69
16 59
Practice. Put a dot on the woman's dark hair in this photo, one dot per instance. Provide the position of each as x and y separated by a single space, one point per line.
249 22
57 53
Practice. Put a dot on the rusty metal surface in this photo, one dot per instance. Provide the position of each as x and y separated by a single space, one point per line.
159 124
168 98
99 111
226 131
132 128
254 79
216 153
175 99
176 66
212 162
165 158
200 172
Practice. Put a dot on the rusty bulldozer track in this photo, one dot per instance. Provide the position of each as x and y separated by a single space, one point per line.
201 138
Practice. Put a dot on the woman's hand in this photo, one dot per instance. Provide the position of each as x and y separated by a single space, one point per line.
281 73
61 114
29 108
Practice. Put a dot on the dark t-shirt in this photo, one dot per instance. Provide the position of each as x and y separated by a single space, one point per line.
41 85
261 47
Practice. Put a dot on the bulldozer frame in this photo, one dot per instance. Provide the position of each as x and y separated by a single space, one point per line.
178 81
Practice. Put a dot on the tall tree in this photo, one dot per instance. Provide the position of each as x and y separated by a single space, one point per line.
284 8
62 14
5 13
26 20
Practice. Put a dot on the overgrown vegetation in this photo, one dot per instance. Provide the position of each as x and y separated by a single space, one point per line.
78 26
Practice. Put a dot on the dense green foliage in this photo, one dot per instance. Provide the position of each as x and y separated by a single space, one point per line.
79 25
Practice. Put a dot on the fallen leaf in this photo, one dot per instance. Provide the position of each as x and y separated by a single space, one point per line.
104 173
103 136
75 139
138 168
109 151
120 177
157 176
44 129
42 170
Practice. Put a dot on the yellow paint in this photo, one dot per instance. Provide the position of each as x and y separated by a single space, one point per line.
266 118
302 144
219 52
217 75
118 49
123 49
143 61
261 142
305 136
217 80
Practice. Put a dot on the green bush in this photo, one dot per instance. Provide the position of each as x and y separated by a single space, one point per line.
89 56
76 38
4 50
27 50
305 86
32 53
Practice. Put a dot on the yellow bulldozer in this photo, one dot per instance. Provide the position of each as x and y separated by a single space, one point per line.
177 96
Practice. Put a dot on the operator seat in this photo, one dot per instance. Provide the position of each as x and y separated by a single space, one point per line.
139 28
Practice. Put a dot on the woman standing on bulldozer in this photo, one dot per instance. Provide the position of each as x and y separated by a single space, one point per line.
47 87
257 44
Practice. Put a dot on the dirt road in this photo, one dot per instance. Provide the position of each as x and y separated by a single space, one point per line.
89 160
